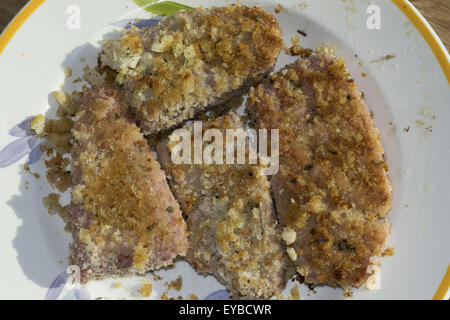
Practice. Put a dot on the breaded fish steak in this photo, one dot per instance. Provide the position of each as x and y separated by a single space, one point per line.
332 190
233 231
191 61
125 218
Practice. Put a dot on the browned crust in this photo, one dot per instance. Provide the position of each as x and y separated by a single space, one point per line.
125 218
332 187
233 229
193 60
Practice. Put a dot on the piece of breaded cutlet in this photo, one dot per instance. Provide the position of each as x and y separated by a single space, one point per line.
192 61
125 218
233 231
332 191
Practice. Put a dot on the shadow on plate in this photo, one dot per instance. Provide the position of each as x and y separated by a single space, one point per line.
41 243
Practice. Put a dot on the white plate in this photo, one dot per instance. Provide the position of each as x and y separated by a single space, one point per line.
408 91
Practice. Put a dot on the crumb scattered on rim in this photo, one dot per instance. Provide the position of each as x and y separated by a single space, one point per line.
146 289
37 125
52 203
295 295
348 294
278 8
388 252
176 284
68 72
157 277
192 296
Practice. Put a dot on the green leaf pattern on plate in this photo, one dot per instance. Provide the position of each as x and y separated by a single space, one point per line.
162 8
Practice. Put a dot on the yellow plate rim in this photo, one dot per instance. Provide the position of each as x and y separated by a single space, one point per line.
404 6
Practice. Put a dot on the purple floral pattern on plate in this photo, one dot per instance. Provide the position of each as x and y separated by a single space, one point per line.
138 23
80 292
219 295
56 288
27 144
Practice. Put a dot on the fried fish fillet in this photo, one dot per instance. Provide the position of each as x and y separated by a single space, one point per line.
233 232
125 218
332 191
191 61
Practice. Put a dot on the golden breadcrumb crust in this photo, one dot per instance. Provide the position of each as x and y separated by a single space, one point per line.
192 60
231 222
126 219
332 188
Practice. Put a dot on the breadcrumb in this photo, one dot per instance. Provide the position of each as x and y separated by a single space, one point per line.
295 295
176 284
37 125
146 289
192 296
68 72
388 252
